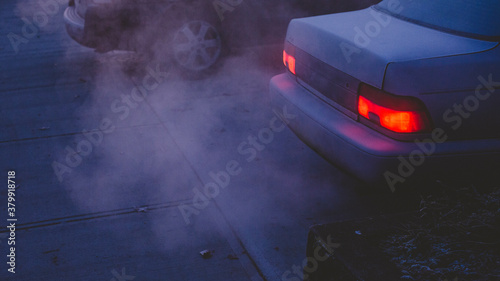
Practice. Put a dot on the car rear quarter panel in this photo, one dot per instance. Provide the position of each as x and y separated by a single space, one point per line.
455 90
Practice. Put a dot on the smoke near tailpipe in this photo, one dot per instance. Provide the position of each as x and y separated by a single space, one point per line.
151 131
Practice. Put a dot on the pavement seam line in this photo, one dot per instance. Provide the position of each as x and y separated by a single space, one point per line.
250 271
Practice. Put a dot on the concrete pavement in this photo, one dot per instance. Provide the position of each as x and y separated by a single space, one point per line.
115 183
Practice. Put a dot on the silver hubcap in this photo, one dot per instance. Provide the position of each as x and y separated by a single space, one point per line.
197 45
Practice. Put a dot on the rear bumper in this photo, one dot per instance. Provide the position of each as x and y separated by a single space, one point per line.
366 153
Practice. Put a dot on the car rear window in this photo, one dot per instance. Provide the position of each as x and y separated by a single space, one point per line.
472 18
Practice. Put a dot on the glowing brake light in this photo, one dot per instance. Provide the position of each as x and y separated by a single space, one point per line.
395 113
289 62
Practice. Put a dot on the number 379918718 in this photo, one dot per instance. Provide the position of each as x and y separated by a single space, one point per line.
11 185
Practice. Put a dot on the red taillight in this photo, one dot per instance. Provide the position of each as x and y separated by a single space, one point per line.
289 62
395 113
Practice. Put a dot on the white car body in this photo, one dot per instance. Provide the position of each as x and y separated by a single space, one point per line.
450 76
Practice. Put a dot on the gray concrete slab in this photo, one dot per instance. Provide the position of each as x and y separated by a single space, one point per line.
148 245
116 208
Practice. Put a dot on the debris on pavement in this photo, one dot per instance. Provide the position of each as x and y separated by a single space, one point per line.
206 254
141 209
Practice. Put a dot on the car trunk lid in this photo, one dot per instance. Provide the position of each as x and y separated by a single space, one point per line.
341 50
